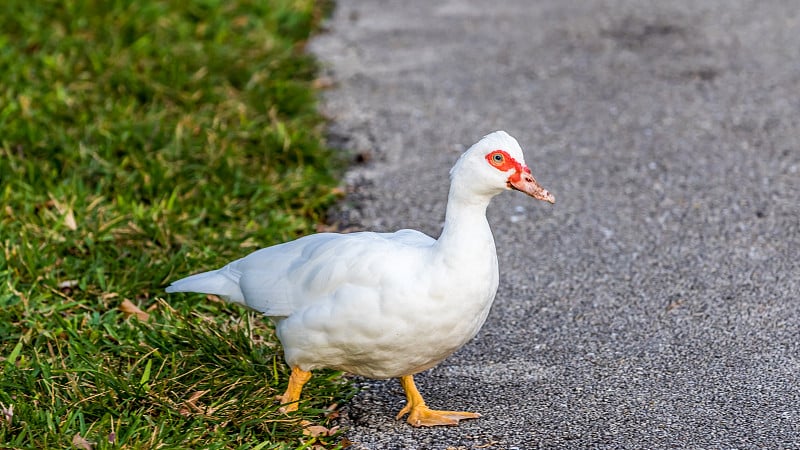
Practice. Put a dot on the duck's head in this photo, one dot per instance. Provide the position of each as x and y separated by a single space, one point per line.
494 164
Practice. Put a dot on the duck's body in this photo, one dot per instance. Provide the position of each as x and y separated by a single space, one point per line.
344 301
383 305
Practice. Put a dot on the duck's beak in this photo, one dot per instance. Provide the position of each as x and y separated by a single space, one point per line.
524 182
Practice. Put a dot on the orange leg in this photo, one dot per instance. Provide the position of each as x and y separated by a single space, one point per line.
419 415
290 398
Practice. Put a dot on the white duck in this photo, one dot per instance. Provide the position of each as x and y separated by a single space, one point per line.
383 305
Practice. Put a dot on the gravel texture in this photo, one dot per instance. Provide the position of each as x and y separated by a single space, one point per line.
657 303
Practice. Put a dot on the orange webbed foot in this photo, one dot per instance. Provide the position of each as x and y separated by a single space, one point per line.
419 415
422 416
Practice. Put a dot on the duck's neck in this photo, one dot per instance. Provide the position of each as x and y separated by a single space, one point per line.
466 232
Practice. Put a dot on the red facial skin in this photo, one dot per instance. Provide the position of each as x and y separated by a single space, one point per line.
521 179
507 163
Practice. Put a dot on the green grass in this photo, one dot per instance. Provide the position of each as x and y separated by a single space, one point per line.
141 141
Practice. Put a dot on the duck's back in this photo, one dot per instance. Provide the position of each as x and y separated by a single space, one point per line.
279 280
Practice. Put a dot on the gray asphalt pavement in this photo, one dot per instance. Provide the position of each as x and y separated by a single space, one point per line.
657 303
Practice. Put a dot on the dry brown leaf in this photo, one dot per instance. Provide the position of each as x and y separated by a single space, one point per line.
323 82
325 228
190 406
214 298
241 21
193 399
129 308
674 305
249 243
69 220
79 442
6 413
331 412
316 430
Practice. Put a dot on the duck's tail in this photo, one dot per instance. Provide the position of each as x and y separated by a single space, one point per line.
223 282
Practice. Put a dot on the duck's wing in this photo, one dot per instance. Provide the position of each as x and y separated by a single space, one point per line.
278 280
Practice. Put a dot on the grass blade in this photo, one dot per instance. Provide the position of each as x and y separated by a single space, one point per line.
12 357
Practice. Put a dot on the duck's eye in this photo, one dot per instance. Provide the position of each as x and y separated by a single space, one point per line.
497 158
